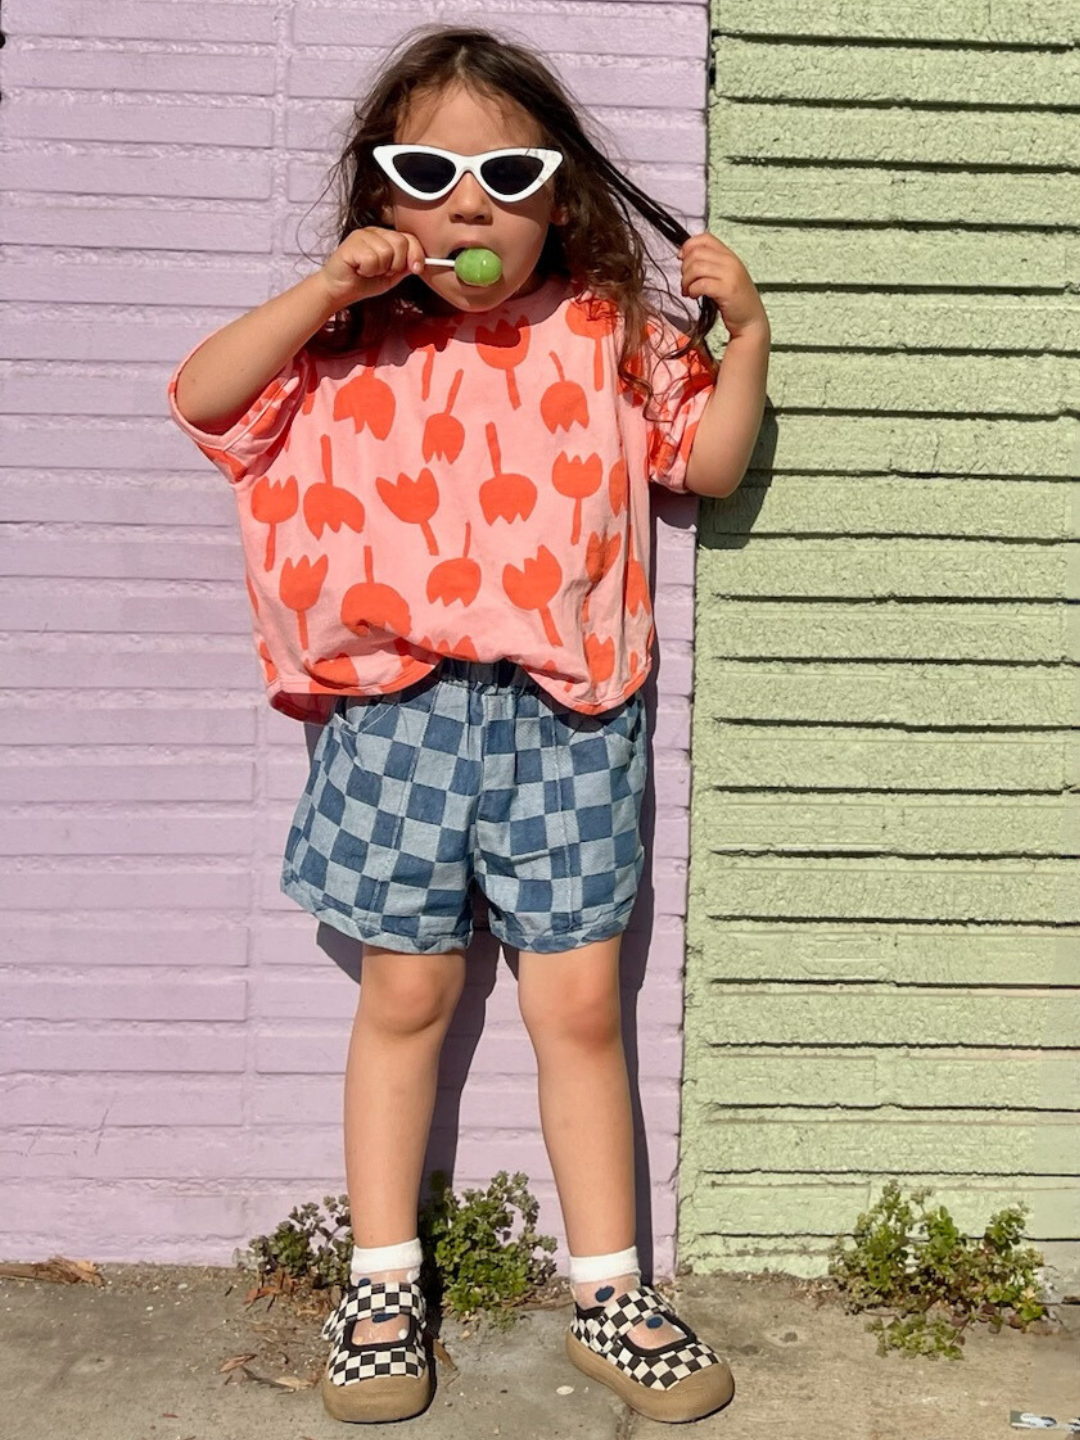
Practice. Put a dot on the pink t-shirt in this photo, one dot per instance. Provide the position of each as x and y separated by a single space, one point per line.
475 485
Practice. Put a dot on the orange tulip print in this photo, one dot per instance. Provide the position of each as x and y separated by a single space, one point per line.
443 434
269 668
636 590
462 648
618 487
370 606
686 444
505 495
235 467
452 580
600 658
564 402
636 366
273 501
414 501
366 400
308 402
534 586
504 347
432 334
594 319
600 555
299 586
328 504
251 591
576 478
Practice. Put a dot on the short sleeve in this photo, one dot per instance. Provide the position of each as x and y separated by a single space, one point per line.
251 441
681 390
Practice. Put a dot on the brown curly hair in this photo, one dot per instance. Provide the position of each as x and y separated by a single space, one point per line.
598 247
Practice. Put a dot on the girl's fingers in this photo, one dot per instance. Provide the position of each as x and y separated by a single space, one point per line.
703 270
370 257
415 254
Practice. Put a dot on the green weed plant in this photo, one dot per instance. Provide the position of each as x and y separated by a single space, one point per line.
939 1280
471 1265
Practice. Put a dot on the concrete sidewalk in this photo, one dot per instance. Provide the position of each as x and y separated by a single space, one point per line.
140 1359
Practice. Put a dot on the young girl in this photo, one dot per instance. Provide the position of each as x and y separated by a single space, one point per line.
443 497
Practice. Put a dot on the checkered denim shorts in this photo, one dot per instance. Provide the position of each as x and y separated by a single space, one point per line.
471 778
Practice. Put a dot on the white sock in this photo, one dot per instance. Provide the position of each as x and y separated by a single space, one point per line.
585 1268
406 1255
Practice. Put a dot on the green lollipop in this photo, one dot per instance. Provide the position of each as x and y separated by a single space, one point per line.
475 266
478 267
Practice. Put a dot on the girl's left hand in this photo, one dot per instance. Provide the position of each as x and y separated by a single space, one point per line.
710 268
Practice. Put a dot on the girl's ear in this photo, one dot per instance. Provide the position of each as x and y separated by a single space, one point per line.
558 215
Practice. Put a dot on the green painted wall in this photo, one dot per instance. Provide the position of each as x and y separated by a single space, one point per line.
883 972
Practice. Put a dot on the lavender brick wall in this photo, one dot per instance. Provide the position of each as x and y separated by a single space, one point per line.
173 1029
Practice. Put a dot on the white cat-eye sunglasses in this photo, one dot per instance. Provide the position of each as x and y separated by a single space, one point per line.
428 173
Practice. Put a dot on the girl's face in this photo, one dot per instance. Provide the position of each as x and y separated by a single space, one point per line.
456 119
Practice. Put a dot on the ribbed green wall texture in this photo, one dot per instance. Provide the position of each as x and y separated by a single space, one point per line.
883 972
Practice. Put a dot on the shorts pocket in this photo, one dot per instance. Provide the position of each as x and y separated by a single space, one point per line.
621 729
357 714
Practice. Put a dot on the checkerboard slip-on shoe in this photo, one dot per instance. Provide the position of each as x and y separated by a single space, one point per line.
384 1380
682 1380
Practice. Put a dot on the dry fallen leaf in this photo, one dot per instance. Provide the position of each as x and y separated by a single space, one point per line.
286 1382
294 1382
235 1360
441 1352
58 1268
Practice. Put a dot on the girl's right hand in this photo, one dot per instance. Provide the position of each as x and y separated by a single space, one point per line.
369 262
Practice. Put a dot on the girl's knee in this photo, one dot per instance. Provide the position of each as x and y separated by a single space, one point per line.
572 997
584 1017
408 993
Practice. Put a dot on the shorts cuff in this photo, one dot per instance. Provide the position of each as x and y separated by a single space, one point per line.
374 932
549 944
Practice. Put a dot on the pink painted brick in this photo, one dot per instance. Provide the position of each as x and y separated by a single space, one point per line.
91 1102
246 177
250 125
160 228
586 29
138 282
48 68
153 1209
110 336
114 779
214 20
189 1049
112 724
99 997
103 939
235 669
64 833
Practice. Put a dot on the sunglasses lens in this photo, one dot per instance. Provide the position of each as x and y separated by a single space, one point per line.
429 173
510 174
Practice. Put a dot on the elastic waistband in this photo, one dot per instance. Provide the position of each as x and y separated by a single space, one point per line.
485 673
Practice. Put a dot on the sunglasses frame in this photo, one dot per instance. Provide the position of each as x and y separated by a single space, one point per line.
385 155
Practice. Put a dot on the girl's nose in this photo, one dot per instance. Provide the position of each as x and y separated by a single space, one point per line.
469 200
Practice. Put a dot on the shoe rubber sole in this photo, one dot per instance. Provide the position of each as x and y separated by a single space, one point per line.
698 1394
379 1398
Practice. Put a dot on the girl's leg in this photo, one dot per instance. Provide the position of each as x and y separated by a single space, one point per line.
405 1008
570 1004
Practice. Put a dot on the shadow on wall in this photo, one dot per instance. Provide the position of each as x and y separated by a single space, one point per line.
728 524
